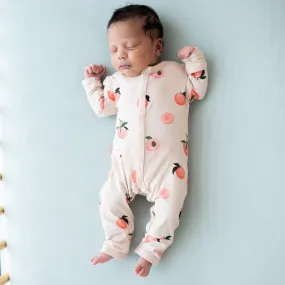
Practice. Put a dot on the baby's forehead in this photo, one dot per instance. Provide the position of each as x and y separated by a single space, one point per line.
126 29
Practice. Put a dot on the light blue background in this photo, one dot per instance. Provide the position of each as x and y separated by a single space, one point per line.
56 151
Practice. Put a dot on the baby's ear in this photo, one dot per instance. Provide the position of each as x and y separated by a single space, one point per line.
158 47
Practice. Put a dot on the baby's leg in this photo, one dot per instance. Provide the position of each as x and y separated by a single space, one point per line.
117 220
165 215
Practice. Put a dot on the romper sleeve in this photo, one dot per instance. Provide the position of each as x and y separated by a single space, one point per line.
196 68
101 97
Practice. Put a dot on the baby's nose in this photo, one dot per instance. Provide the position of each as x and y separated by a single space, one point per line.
122 54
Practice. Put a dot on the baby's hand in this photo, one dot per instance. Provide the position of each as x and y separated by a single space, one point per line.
185 52
93 70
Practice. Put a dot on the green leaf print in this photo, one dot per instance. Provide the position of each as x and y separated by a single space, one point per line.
174 169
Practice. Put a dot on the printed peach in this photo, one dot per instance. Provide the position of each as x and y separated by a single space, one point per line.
180 98
111 95
167 118
179 171
185 148
147 100
149 238
122 222
199 74
194 95
117 94
152 144
122 133
122 129
163 193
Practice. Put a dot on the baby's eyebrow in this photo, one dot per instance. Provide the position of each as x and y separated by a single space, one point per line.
124 41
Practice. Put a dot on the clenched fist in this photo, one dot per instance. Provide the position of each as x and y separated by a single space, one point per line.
185 52
93 70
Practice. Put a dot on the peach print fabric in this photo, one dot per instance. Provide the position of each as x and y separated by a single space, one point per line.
150 149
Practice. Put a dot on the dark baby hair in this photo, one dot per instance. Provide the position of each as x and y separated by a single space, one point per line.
152 22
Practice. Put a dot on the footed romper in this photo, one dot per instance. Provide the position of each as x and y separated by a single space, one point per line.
150 149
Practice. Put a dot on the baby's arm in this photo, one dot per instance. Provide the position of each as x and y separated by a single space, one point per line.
102 100
196 68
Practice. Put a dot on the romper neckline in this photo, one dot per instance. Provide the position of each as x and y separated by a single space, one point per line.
154 68
148 70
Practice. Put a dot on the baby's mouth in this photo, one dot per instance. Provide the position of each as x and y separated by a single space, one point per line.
125 66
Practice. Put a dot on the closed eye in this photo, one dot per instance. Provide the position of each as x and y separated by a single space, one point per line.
113 49
132 47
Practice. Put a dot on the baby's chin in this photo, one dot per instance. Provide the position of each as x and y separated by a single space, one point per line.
130 72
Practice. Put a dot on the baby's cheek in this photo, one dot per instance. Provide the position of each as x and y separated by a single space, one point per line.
143 59
114 61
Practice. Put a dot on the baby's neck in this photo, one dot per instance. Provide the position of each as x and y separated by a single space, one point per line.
157 61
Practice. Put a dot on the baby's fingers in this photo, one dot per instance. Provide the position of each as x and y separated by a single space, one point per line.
87 70
90 68
101 70
94 68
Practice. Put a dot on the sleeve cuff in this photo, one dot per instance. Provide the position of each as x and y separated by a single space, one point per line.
91 81
196 62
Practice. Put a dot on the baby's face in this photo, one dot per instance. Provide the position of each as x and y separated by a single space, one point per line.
130 48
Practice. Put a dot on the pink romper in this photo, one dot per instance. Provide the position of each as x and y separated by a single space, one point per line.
150 149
